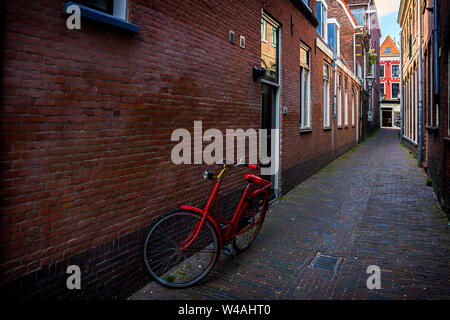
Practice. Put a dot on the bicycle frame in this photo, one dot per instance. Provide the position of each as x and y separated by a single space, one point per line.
229 231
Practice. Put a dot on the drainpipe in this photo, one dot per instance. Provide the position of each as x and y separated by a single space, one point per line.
335 88
354 53
420 82
401 88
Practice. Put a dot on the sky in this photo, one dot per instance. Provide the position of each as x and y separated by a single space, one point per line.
388 13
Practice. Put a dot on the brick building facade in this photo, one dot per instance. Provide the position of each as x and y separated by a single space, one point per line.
435 102
432 18
87 119
408 20
365 14
390 83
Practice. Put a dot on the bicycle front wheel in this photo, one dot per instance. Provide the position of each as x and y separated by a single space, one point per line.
162 254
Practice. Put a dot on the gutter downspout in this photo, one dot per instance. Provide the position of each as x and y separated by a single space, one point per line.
335 88
420 84
334 101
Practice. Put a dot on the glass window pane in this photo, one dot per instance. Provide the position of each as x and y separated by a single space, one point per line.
359 15
269 53
395 90
263 30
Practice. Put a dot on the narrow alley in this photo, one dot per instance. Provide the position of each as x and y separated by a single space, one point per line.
369 207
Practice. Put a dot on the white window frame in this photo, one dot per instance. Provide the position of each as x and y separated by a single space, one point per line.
263 33
353 106
346 102
338 35
326 96
384 71
273 41
324 22
305 104
120 9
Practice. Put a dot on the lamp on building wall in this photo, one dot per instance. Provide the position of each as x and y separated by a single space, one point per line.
370 82
258 72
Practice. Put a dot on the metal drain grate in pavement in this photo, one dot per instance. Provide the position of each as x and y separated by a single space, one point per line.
325 262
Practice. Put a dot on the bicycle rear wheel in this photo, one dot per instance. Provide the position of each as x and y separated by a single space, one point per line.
164 260
254 216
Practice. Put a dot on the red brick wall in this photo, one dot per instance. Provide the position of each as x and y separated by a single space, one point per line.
87 118
437 141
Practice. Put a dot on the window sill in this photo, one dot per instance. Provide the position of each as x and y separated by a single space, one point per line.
346 127
103 17
339 127
305 130
326 128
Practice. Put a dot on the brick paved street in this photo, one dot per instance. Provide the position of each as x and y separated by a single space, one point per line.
369 207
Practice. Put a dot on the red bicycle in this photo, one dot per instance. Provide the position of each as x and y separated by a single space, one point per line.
182 246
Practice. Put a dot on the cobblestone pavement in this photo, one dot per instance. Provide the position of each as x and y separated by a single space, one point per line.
369 207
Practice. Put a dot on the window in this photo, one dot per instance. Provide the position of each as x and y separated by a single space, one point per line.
274 37
113 12
106 6
270 52
388 50
116 8
360 16
333 36
353 106
382 71
410 46
306 3
382 89
305 91
326 95
395 87
263 30
338 101
322 17
346 102
395 70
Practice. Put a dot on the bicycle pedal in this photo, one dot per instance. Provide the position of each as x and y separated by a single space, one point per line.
228 251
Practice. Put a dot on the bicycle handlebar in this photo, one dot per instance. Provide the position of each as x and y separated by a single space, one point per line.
248 165
252 166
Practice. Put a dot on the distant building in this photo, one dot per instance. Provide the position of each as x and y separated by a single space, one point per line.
367 38
390 83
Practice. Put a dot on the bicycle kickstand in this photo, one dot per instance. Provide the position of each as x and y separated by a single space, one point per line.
230 252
